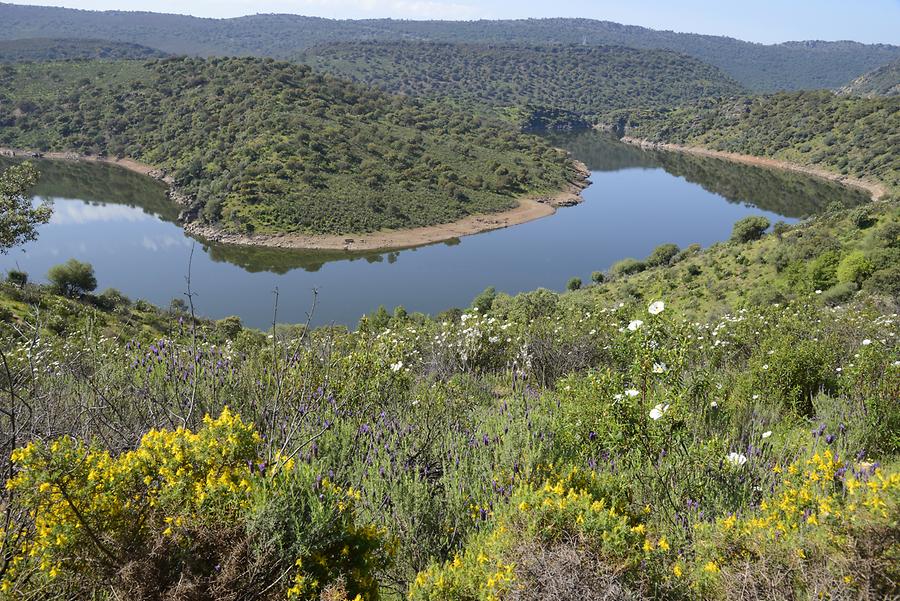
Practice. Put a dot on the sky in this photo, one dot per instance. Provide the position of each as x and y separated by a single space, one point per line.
766 21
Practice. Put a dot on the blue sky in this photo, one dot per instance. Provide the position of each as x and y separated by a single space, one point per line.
756 20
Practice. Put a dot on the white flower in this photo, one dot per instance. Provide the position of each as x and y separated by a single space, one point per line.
395 367
713 404
766 366
632 392
659 368
658 411
634 325
736 459
866 342
755 397
767 434
656 307
818 292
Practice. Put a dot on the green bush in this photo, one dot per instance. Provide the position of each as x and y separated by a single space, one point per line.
72 278
840 293
822 271
628 266
662 254
855 267
749 229
17 278
597 277
573 284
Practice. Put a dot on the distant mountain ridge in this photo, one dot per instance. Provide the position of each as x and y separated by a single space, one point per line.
787 66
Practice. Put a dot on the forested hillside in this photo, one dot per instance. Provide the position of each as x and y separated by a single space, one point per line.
788 66
588 83
884 81
46 49
853 136
267 146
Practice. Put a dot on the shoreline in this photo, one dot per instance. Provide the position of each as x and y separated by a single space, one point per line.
530 208
875 190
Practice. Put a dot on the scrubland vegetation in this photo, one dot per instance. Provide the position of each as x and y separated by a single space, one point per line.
537 86
858 137
265 146
720 424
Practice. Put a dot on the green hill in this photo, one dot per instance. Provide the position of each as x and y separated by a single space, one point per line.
535 83
760 67
47 49
884 81
265 146
858 137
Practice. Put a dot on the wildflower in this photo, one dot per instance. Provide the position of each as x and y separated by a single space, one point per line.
866 342
658 411
634 325
656 308
736 459
713 404
659 368
395 367
711 567
631 392
767 434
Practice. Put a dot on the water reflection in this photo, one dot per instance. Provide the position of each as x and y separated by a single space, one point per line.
787 193
123 224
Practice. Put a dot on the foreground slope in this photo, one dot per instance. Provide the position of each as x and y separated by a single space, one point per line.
537 83
618 438
788 66
264 146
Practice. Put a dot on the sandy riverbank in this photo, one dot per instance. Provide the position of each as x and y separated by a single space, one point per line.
529 209
874 189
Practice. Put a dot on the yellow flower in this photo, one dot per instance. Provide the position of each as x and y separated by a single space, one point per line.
711 567
663 544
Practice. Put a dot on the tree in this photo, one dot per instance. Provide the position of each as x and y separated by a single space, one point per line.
574 284
18 218
749 229
73 278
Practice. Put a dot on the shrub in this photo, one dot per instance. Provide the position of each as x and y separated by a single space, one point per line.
573 284
839 294
628 266
73 278
597 277
17 278
884 281
749 229
111 299
822 271
862 218
485 300
855 267
662 254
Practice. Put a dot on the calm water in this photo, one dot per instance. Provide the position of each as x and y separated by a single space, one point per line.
122 224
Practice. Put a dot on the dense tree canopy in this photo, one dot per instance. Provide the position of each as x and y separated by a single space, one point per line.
761 67
586 83
276 147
